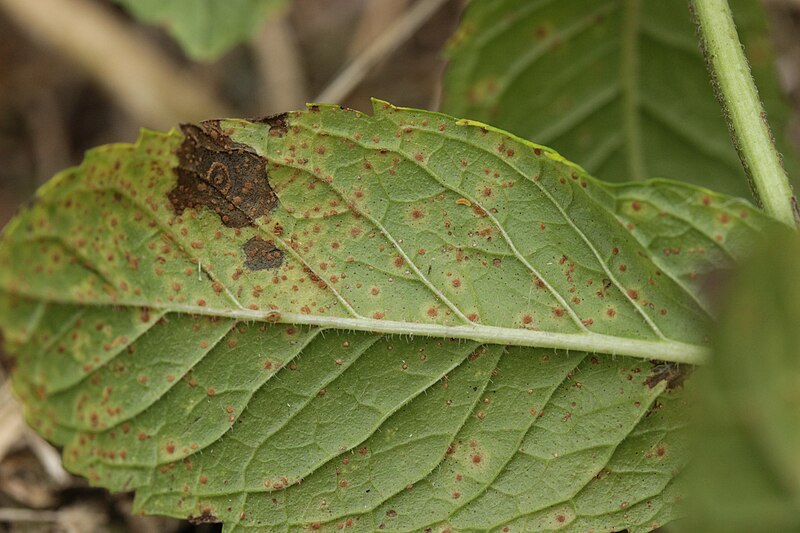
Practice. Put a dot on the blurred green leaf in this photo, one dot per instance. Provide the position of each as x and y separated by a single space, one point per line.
748 432
618 86
205 28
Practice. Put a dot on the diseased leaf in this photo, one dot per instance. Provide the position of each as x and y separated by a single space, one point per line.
205 29
617 86
327 319
748 467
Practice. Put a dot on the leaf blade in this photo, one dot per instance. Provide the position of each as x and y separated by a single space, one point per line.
266 380
205 29
627 93
747 399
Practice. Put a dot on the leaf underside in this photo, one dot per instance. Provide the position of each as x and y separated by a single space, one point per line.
617 85
205 29
305 322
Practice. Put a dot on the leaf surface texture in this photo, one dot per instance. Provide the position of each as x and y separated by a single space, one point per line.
327 319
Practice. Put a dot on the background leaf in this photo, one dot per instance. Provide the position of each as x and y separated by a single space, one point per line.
748 469
617 86
227 344
205 28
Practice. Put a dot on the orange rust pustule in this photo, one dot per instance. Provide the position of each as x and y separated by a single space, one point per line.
260 254
217 173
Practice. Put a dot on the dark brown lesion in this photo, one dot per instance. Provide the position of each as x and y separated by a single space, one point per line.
217 173
260 254
206 517
278 127
673 373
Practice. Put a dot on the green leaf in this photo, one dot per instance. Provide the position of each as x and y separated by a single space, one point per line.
618 86
205 29
409 323
748 468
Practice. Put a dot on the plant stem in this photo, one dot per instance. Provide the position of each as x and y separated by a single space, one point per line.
738 96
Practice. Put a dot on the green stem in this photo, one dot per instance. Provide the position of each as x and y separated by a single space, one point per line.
750 133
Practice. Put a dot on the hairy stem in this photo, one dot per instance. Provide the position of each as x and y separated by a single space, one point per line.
737 93
663 350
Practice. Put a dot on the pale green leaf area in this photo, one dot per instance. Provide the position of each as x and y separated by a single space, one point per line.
618 86
748 465
413 322
205 29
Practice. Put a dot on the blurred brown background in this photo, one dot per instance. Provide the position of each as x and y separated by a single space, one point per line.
61 94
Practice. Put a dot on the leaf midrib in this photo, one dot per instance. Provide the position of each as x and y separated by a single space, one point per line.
665 349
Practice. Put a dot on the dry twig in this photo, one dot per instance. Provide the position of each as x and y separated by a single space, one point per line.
400 32
280 65
143 80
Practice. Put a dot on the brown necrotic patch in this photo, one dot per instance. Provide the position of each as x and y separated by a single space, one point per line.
260 254
277 124
217 173
673 373
206 517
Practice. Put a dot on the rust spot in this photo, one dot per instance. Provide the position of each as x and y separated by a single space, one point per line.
222 175
260 254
